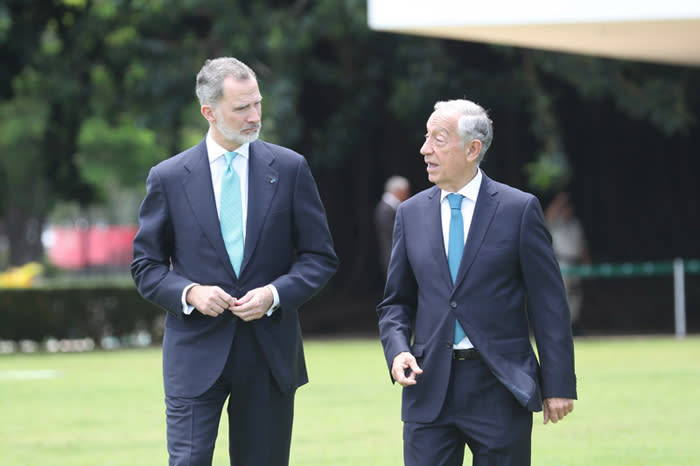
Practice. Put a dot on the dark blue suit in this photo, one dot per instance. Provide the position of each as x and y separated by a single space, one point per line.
288 244
508 276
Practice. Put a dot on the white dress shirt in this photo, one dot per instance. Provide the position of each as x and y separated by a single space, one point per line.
470 193
217 166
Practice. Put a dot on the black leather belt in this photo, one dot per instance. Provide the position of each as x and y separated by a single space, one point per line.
465 354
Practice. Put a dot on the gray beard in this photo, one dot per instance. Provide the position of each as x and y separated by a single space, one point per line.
237 137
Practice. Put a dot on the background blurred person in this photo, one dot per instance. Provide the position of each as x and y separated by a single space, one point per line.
570 248
396 190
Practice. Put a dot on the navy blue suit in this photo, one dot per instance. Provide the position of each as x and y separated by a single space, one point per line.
179 242
508 281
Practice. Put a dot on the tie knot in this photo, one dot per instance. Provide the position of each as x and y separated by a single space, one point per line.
229 157
455 200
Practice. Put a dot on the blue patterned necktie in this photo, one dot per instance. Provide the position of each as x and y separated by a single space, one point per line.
455 246
231 213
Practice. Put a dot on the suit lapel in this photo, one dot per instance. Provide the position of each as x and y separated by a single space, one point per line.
262 186
432 222
484 211
200 193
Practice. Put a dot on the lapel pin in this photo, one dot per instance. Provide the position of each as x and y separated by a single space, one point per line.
272 180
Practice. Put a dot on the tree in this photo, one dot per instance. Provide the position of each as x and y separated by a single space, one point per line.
67 70
95 92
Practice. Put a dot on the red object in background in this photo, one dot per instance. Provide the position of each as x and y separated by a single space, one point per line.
76 248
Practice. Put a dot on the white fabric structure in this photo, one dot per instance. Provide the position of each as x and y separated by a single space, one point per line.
662 32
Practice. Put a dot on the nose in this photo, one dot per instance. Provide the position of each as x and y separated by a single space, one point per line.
426 148
254 114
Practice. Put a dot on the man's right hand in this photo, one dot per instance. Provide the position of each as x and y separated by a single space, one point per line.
405 368
209 300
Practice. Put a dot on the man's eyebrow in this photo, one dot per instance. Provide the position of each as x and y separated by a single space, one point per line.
241 106
439 129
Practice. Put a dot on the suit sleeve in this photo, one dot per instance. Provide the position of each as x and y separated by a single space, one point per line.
397 310
315 261
153 246
547 305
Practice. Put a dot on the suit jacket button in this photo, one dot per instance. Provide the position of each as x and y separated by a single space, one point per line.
453 304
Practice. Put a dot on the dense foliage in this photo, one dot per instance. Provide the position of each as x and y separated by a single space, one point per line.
94 92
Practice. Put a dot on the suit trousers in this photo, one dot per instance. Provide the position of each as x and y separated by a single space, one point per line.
259 415
478 412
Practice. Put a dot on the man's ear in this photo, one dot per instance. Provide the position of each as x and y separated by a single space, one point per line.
472 150
208 113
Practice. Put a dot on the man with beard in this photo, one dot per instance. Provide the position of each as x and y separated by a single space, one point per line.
232 239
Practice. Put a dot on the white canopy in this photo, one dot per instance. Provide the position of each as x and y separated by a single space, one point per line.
663 32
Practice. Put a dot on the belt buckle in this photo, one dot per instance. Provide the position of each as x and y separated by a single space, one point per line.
465 354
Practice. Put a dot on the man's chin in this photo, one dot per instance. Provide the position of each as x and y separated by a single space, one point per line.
245 138
251 138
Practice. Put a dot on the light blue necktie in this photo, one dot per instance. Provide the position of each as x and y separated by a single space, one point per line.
455 246
231 213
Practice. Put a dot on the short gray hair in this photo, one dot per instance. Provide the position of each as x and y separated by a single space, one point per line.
211 77
396 183
473 123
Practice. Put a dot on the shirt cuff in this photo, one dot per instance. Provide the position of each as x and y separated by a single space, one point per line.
187 308
275 300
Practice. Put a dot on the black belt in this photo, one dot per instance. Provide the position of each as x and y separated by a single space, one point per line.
465 354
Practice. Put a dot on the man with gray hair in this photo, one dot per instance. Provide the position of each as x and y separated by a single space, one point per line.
396 190
472 273
232 239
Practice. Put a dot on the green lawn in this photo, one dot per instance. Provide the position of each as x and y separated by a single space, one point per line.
638 407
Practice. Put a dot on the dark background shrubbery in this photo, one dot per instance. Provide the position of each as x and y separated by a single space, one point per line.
38 314
642 305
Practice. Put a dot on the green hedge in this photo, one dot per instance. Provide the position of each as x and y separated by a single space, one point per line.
38 314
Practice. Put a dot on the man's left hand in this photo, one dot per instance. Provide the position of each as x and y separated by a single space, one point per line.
554 409
254 304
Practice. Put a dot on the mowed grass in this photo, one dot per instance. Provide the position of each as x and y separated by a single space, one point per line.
638 406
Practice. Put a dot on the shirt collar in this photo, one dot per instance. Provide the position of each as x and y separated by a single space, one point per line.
470 190
214 150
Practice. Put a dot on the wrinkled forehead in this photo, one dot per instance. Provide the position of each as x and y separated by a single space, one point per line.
442 121
241 90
